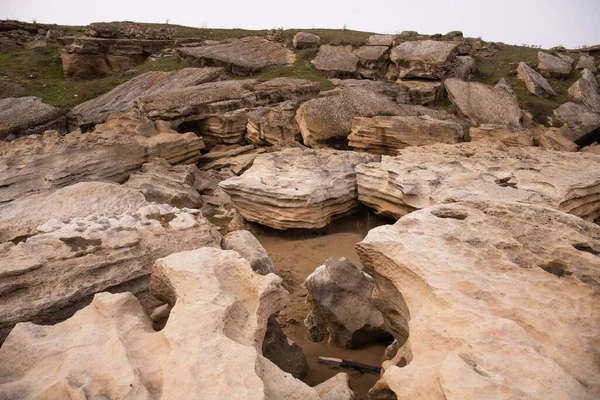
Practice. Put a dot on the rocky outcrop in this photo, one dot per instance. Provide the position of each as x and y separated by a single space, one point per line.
218 323
297 188
330 117
424 58
239 56
273 125
484 104
536 84
52 274
339 294
23 116
422 177
498 301
552 66
380 40
247 246
396 92
507 135
235 158
304 40
422 92
588 62
336 61
387 135
122 98
116 150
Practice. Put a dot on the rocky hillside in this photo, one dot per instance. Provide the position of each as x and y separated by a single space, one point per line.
139 162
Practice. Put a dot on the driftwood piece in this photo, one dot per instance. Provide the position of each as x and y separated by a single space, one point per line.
338 362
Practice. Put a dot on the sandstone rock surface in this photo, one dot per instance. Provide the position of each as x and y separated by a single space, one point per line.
585 91
507 135
304 40
511 313
273 124
502 84
588 62
380 40
336 60
552 66
247 246
23 116
296 188
535 83
424 58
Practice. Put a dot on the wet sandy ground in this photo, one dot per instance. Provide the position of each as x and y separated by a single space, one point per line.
296 254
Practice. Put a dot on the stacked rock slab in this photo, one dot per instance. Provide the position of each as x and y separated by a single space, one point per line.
420 177
211 345
296 188
23 116
534 81
424 58
500 301
273 124
57 271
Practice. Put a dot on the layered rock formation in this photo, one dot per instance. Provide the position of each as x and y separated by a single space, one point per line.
297 188
23 116
503 303
336 61
424 58
422 177
247 246
535 83
273 125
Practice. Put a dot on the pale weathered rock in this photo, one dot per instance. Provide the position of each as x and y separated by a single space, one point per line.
500 300
579 117
122 98
210 347
424 58
240 56
502 84
585 91
422 92
112 153
336 61
552 66
64 266
593 148
336 388
588 62
371 56
386 135
273 125
553 140
330 117
484 104
297 188
235 158
395 92
380 40
507 135
340 295
23 116
424 176
535 83
304 40
250 248
283 352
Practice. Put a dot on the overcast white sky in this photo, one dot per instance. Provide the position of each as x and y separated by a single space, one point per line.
543 22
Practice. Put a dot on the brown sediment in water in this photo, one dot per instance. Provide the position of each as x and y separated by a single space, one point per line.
296 254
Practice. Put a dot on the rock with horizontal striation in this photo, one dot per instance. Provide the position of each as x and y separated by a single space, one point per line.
484 104
218 322
505 134
57 271
246 244
536 84
273 124
22 116
336 61
235 158
296 188
304 40
422 92
122 98
552 66
420 177
243 56
553 139
424 58
499 300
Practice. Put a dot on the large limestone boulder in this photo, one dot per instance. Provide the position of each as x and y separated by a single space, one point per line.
240 56
66 263
336 61
420 177
498 300
387 135
296 188
304 40
23 116
484 104
330 117
122 98
552 66
536 84
273 124
211 346
248 246
339 294
424 58
116 150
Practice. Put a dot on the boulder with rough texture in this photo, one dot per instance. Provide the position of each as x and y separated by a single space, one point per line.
502 84
380 40
371 57
395 92
235 158
23 116
296 188
273 124
420 177
585 91
484 104
240 56
330 117
339 294
552 66
210 348
498 300
424 58
122 98
507 135
246 244
116 150
464 68
55 272
387 135
421 92
283 352
304 40
336 61
534 81
588 62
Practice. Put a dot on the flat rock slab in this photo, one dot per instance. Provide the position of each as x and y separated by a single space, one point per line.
500 300
534 81
21 116
420 177
297 188
552 66
424 58
240 56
